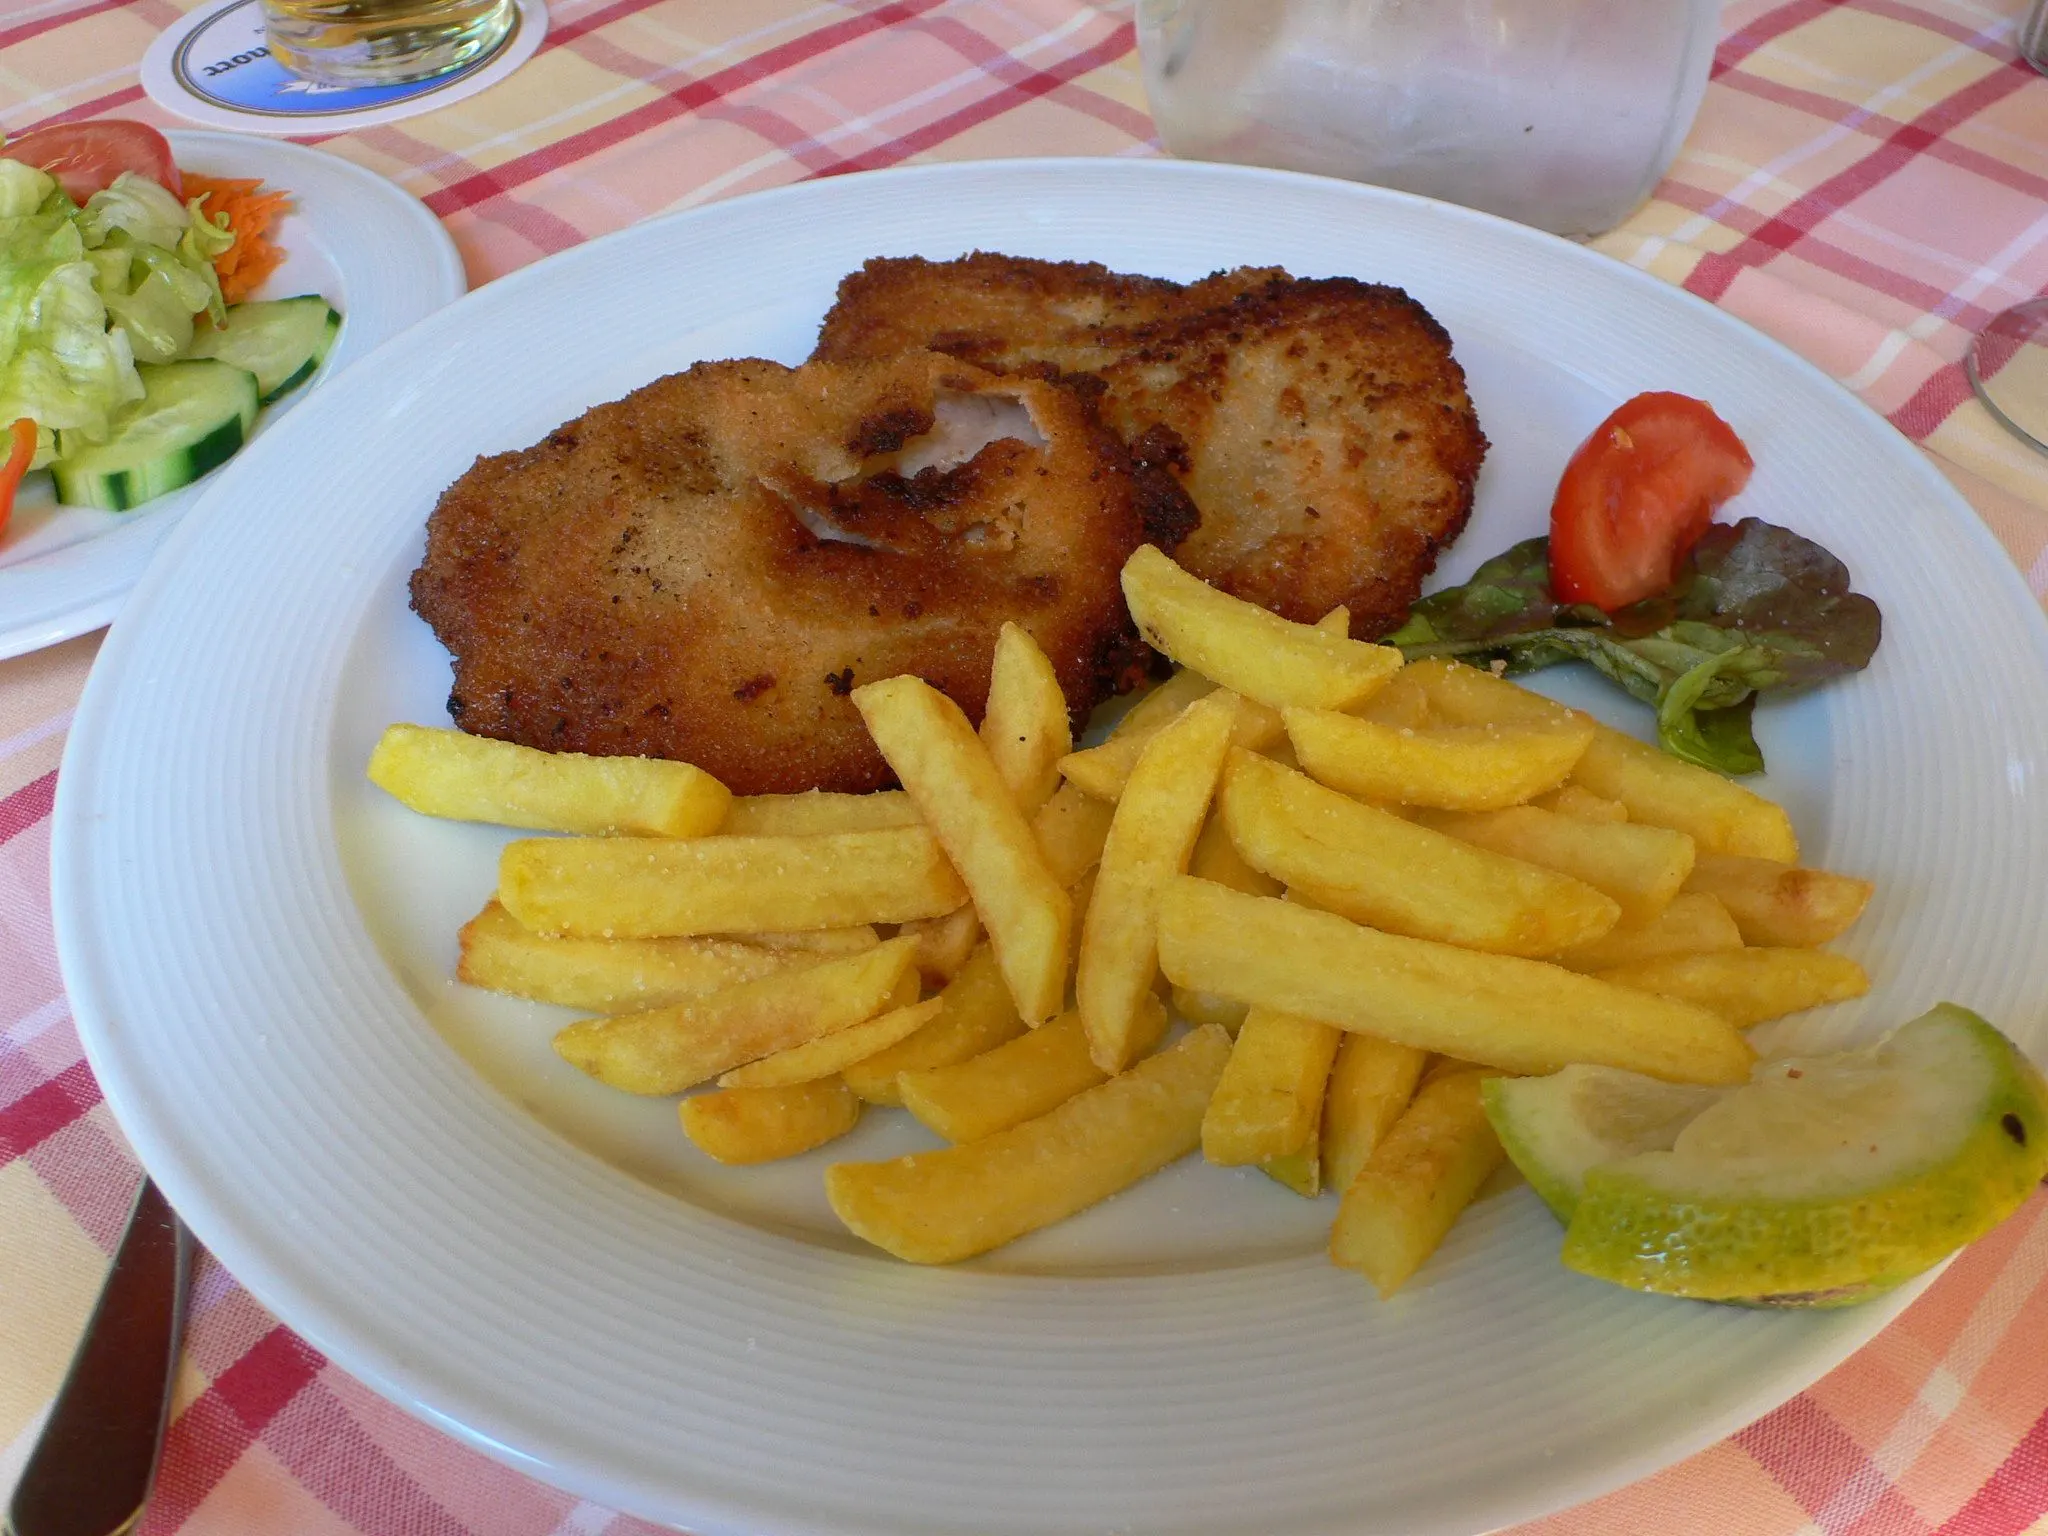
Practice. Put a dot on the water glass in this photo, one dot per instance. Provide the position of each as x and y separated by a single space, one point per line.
2032 38
2007 362
1557 113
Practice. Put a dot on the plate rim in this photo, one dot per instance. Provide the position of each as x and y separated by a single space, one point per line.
400 1385
441 273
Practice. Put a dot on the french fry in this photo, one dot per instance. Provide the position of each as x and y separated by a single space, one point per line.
1257 726
1458 694
829 1055
1640 867
977 1016
1306 1170
1376 868
1371 1082
816 941
1719 815
1242 647
759 1125
603 975
1025 726
1572 800
944 943
1780 905
950 777
1693 924
1404 702
907 991
1444 1066
1101 771
1283 754
938 1207
815 812
611 887
1517 1015
1208 1008
473 778
1260 725
1071 828
1083 894
1271 1094
666 1050
1216 858
1150 840
1300 1171
1748 986
1716 813
1452 767
1395 1213
1017 1081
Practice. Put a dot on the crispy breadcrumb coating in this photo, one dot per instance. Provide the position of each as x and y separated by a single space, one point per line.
706 568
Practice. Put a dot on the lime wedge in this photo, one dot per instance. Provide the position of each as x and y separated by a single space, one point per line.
1555 1128
1824 1180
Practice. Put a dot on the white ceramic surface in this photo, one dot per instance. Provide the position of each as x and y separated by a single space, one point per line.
368 247
258 949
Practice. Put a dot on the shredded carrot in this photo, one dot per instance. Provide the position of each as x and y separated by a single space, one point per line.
243 266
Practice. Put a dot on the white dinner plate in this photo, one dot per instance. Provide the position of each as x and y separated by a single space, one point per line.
259 948
358 240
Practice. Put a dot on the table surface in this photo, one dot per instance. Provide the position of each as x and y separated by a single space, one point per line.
1867 181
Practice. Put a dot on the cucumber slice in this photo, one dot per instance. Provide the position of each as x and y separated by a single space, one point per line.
281 341
191 416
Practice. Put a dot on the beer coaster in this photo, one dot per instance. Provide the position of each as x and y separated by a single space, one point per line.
214 68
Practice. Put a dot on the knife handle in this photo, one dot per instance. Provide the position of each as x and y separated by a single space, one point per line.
90 1472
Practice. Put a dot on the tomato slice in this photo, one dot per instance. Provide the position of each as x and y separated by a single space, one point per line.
1636 497
86 157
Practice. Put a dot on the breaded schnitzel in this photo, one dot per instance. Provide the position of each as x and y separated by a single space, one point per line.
1321 427
704 569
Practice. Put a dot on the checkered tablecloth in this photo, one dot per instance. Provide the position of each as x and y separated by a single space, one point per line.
1868 181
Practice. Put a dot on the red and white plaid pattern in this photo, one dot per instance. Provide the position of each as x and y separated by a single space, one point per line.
1868 181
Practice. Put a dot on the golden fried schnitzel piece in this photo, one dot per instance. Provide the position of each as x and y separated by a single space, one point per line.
704 569
1321 426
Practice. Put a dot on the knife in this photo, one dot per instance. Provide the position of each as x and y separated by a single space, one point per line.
90 1472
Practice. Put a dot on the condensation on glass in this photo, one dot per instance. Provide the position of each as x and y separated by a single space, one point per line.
1558 113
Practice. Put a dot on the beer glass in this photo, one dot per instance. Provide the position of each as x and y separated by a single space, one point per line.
382 42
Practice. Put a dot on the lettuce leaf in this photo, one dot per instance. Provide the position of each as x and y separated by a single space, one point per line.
155 314
59 364
138 207
86 293
1756 609
137 212
23 189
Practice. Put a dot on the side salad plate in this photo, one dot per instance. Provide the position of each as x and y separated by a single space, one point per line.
260 947
353 239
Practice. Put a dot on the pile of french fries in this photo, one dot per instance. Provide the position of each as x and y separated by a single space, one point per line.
1362 886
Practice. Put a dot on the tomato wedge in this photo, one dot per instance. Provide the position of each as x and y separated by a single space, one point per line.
21 447
86 157
1636 497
